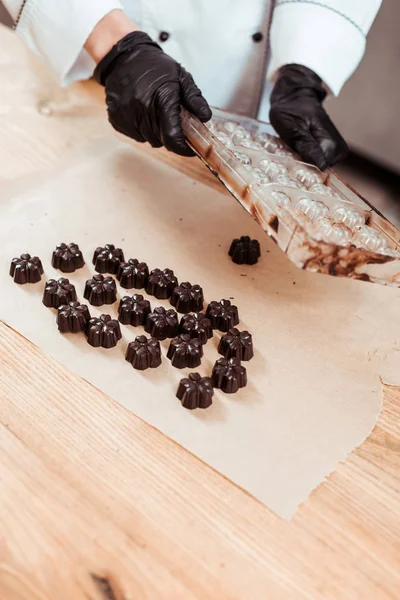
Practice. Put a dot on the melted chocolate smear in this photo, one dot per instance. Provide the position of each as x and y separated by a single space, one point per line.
274 223
104 586
342 262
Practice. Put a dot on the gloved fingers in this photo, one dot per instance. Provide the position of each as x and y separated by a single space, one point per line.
328 137
297 135
170 122
192 98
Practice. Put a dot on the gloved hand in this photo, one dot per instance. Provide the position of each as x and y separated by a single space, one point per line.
145 89
299 118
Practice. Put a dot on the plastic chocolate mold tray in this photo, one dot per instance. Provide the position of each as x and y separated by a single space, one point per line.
320 222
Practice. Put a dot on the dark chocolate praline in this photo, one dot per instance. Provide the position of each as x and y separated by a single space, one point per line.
103 331
144 353
26 269
100 290
223 315
229 375
187 297
195 391
133 274
161 283
245 251
197 325
162 324
67 258
72 317
133 310
236 344
58 292
107 259
185 351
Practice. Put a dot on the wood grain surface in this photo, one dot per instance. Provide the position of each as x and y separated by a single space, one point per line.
96 504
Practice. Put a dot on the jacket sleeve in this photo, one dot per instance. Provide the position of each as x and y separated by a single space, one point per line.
327 36
57 31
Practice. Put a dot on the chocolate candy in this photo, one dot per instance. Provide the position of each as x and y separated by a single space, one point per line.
133 310
133 274
245 251
100 290
108 259
161 323
144 353
187 298
67 258
195 391
103 332
26 269
161 284
236 344
185 351
223 315
197 325
58 292
229 375
72 317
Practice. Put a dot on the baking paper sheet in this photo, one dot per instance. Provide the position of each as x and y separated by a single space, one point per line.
314 391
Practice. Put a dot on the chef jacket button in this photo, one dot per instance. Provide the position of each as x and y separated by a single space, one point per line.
257 37
164 35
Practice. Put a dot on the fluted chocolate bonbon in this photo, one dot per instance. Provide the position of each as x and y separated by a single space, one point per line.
223 315
245 251
185 351
58 292
229 375
236 344
26 269
107 259
67 258
144 353
100 290
133 310
133 274
72 317
161 283
195 391
162 324
103 331
187 297
197 325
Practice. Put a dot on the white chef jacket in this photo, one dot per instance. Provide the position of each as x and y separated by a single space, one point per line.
233 48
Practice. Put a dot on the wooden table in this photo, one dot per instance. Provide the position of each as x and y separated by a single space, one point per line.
96 504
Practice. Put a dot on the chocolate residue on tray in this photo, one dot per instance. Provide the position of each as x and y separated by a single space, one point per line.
342 261
274 223
107 588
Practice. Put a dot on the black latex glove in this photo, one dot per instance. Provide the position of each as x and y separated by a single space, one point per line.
145 89
299 118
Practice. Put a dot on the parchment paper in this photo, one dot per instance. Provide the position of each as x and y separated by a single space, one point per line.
320 343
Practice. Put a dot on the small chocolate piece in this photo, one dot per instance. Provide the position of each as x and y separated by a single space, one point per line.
144 353
133 310
229 375
245 251
100 290
161 323
26 269
67 258
197 325
223 315
72 317
103 332
187 298
236 344
108 259
58 292
133 274
195 391
161 284
185 351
